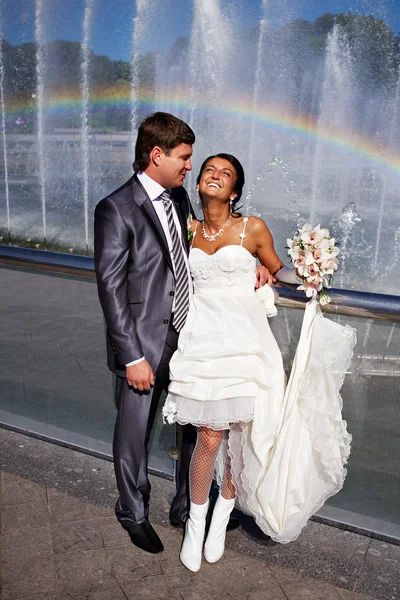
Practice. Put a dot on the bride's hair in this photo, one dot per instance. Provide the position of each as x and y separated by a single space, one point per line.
240 179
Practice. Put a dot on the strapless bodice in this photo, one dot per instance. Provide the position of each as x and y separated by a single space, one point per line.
231 268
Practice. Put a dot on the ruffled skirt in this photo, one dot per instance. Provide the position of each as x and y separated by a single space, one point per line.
226 355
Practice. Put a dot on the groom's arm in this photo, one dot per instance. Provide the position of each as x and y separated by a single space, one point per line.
111 254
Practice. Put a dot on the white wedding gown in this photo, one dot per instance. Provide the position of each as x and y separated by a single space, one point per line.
287 448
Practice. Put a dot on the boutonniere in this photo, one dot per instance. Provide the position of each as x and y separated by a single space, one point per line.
189 221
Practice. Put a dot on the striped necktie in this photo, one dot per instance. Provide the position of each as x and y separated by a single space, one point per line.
181 273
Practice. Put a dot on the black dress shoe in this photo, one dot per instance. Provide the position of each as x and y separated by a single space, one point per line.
232 524
143 536
179 511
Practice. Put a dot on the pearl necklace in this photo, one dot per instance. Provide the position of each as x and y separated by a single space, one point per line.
212 238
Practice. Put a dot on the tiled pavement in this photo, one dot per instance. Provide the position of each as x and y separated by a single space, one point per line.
61 541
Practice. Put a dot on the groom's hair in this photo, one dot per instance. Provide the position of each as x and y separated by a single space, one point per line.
160 129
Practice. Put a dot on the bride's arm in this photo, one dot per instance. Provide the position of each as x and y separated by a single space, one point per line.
267 255
265 250
287 275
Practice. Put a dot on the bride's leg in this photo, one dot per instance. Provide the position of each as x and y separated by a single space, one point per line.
228 490
200 480
202 464
215 543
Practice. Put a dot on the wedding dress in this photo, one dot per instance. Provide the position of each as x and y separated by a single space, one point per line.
288 444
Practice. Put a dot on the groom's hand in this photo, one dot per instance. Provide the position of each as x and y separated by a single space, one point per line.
263 276
140 376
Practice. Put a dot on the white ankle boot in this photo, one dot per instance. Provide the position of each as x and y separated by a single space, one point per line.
192 546
215 543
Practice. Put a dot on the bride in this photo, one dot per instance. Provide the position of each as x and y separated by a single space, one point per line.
277 455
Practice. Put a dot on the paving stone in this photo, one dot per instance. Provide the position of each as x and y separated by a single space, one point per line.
44 596
112 532
76 536
16 490
321 552
272 594
235 575
129 564
380 575
169 559
83 572
264 595
153 588
21 545
30 516
65 508
347 595
89 534
112 594
313 590
23 577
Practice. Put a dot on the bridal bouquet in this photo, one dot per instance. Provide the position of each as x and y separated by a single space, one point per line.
313 253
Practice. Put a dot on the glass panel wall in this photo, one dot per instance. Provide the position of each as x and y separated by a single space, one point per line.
54 380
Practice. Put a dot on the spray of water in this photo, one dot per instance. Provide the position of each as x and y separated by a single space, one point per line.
344 227
257 84
335 110
85 65
256 92
262 175
204 53
39 37
392 142
136 34
210 53
144 12
3 126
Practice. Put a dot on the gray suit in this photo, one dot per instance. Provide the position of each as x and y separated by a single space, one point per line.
136 290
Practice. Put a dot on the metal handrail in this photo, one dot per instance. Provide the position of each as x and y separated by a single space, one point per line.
353 303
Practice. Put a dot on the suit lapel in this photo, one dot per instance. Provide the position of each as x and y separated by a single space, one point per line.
142 200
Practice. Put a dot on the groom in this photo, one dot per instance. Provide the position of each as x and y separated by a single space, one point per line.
140 243
144 285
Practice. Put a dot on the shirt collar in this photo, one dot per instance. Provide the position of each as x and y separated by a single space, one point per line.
153 189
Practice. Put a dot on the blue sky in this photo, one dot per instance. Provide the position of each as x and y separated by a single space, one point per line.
112 19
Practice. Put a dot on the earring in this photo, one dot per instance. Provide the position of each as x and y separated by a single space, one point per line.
230 204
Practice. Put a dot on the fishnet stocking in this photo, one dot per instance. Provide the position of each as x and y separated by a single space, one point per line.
202 464
228 489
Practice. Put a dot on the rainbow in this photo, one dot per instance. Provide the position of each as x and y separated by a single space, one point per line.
269 116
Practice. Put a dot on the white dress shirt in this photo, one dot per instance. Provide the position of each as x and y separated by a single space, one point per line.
154 191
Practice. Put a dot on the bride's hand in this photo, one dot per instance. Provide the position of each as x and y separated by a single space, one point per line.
263 276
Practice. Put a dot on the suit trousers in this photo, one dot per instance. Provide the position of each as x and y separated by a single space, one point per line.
135 419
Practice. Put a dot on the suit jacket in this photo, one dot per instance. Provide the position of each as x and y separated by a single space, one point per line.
134 272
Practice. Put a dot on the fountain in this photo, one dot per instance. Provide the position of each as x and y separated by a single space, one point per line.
335 113
3 128
318 101
145 10
256 90
39 34
87 21
393 136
